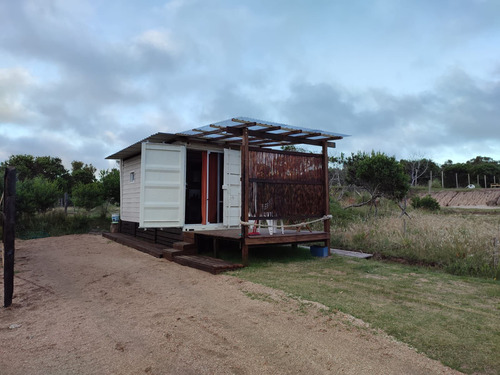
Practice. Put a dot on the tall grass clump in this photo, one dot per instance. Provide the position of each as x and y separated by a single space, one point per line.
460 244
56 223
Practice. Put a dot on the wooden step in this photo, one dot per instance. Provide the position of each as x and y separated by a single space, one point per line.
206 263
188 236
146 247
188 247
170 253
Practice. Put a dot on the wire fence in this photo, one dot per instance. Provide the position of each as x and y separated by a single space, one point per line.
462 180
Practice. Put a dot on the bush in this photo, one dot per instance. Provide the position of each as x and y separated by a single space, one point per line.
426 203
340 216
57 224
36 195
88 196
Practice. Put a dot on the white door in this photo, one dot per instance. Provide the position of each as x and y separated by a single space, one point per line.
163 175
232 188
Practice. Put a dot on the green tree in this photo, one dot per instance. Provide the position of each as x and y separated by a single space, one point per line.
378 174
25 166
29 167
483 166
49 168
82 173
111 185
420 170
88 196
36 195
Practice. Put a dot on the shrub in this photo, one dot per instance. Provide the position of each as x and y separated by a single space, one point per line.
56 223
36 195
88 196
426 203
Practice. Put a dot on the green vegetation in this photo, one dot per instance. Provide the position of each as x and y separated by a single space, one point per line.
56 223
36 195
461 243
43 181
449 318
377 174
426 203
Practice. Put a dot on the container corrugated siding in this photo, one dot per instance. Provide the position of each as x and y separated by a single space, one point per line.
131 190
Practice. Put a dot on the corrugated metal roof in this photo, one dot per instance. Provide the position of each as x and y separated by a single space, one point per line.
135 149
228 132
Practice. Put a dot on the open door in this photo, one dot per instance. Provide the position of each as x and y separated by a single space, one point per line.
163 172
232 188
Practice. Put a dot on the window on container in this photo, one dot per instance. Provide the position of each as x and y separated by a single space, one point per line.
132 176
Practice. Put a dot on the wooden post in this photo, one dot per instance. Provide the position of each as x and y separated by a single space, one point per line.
442 179
326 223
456 179
66 203
245 185
430 183
485 182
9 234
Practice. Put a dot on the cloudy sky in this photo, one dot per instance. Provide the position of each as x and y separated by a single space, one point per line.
82 79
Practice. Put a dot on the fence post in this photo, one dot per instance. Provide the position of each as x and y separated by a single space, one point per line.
9 234
495 253
66 200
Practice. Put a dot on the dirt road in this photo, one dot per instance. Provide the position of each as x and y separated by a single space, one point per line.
85 305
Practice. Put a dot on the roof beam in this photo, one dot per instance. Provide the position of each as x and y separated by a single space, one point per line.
278 137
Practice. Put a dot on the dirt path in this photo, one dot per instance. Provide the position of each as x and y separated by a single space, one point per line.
85 305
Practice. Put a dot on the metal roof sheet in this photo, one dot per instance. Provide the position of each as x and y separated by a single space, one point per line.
228 132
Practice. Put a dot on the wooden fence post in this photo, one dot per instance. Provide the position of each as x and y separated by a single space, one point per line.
9 234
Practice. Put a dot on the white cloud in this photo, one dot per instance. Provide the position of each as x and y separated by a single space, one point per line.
13 105
160 40
84 78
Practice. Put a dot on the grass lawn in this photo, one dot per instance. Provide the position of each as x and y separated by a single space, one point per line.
453 319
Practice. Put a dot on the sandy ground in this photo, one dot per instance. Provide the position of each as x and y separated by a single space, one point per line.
86 305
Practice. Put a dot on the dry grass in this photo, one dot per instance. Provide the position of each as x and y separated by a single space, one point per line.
461 243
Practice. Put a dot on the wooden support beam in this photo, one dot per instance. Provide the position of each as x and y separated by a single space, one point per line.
9 233
245 189
282 138
326 223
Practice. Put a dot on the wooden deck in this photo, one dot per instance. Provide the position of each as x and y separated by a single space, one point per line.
290 236
186 254
210 239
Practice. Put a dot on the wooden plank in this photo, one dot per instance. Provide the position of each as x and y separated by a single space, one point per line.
170 253
127 227
145 247
326 223
347 253
206 263
287 238
245 186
